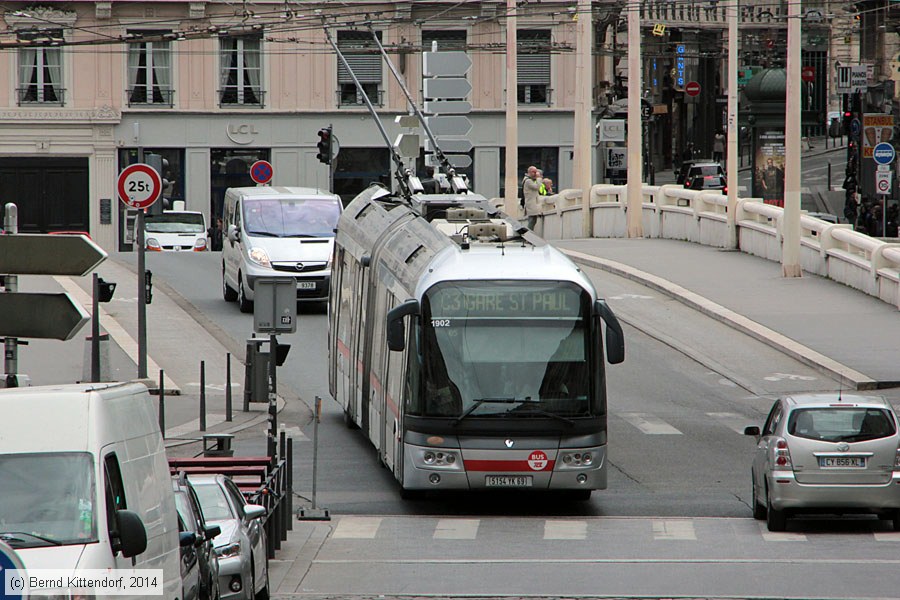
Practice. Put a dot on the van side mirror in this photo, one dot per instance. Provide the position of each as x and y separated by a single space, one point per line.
131 537
234 233
615 339
753 430
396 332
187 539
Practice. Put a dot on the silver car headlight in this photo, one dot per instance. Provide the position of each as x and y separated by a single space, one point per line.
260 257
229 551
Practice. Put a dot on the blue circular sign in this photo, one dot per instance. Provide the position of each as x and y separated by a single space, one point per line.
261 171
9 561
883 153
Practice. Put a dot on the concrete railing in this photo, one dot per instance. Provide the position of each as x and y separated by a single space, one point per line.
672 212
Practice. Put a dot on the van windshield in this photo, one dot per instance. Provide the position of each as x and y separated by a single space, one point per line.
291 218
174 222
49 499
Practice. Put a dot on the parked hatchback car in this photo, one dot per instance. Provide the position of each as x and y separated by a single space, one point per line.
241 545
191 515
826 453
704 175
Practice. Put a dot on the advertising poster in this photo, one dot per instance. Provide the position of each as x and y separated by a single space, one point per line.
768 165
877 128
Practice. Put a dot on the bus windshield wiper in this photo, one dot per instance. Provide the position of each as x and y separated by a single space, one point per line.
263 233
478 403
531 408
300 235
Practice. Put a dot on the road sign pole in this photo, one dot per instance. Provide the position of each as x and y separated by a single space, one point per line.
11 283
142 297
95 330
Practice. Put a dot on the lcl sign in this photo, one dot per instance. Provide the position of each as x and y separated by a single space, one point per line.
241 133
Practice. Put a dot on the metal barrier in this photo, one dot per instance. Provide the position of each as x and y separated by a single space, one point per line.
262 480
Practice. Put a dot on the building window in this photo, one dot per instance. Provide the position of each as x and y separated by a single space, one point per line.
240 79
533 68
447 40
364 59
149 71
40 69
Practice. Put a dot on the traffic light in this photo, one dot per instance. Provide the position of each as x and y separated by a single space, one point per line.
105 290
324 145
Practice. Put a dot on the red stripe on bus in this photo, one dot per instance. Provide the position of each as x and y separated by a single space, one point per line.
506 466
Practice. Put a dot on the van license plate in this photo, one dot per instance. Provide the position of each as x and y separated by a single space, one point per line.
853 462
306 285
508 481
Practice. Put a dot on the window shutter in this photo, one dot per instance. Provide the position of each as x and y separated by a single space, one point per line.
533 66
362 55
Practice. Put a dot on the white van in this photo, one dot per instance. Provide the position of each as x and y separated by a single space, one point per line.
278 232
84 481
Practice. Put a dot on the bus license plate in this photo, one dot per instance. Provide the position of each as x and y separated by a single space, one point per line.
306 285
854 462
508 480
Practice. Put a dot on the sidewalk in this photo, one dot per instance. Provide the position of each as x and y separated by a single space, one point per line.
831 327
176 347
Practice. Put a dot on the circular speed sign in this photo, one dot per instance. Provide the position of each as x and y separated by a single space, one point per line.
139 185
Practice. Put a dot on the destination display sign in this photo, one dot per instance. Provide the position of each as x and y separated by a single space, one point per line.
466 301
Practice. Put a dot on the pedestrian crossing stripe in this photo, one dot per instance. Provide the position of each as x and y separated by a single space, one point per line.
662 530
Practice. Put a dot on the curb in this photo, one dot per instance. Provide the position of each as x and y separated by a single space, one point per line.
780 342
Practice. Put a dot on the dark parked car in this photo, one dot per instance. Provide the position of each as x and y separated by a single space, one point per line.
191 516
702 175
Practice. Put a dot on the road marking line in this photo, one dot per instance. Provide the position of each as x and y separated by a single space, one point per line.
650 424
673 530
892 536
780 536
565 530
733 421
357 528
124 340
456 529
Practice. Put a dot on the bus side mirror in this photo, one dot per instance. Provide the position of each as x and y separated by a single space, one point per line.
396 332
615 339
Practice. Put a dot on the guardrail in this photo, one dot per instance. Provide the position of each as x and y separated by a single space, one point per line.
263 480
830 250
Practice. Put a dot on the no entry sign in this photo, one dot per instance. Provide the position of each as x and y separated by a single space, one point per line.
139 185
692 88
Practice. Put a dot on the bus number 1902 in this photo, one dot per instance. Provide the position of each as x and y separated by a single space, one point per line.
440 322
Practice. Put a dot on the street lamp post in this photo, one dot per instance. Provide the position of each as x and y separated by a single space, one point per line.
583 104
790 227
633 189
731 161
511 201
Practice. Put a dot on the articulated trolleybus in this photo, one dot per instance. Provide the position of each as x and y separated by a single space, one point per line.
466 348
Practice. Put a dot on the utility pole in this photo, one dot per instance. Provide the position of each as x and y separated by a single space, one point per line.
790 227
583 104
731 151
511 196
633 219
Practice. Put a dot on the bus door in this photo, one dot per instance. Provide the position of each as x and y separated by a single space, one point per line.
358 387
393 417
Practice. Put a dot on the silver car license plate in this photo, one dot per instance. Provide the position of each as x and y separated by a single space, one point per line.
508 480
842 462
306 285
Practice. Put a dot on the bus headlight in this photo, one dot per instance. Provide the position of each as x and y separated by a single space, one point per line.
437 458
577 459
260 257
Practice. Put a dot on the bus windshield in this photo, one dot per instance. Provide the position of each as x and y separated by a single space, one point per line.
291 218
497 348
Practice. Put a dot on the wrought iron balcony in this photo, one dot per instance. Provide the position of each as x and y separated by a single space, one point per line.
41 94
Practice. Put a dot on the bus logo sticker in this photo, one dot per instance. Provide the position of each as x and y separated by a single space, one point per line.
509 443
537 461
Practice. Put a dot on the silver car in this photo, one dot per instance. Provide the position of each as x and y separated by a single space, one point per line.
241 545
827 453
